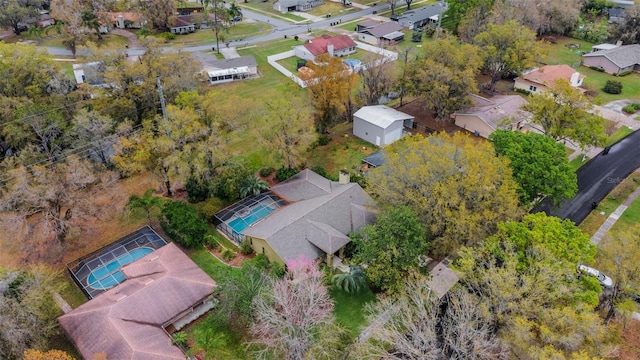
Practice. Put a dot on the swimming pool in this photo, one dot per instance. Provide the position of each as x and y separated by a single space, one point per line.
109 274
256 214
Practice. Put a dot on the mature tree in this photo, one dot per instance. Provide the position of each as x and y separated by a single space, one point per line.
557 17
27 310
230 178
525 279
408 2
403 82
377 76
221 17
41 126
253 185
446 76
287 315
507 48
392 5
13 12
619 258
629 31
565 114
286 130
147 203
414 324
94 132
69 12
457 186
159 12
539 164
183 224
474 20
235 11
33 354
391 248
329 84
42 201
458 10
91 21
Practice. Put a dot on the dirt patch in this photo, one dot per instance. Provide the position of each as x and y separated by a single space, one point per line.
235 262
630 348
424 120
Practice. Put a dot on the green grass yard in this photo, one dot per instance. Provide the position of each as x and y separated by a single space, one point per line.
238 31
630 217
349 309
618 135
578 162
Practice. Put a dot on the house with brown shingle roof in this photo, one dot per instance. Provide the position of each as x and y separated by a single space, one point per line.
539 80
487 115
161 293
339 45
615 60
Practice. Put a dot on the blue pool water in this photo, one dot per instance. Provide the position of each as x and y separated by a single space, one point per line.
352 62
109 274
256 214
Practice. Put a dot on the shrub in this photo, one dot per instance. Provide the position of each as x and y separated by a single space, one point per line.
197 190
211 241
631 108
596 68
359 179
277 270
323 172
265 172
180 339
168 36
323 140
625 73
181 222
295 38
261 261
228 255
612 87
285 173
207 209
246 248
144 32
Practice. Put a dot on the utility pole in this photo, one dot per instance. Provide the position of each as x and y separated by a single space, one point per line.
163 106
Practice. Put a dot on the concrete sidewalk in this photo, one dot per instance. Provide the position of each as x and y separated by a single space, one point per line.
611 220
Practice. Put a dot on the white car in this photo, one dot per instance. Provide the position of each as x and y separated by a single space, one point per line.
604 279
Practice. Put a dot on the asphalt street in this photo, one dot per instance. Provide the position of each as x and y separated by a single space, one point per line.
597 178
280 29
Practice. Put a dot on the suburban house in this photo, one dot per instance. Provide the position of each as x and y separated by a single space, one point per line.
617 60
89 73
284 6
339 45
127 20
488 115
417 18
43 20
379 33
538 80
163 292
380 124
306 215
219 71
605 46
183 24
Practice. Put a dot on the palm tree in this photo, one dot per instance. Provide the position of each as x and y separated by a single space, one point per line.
90 20
350 282
253 186
147 203
234 12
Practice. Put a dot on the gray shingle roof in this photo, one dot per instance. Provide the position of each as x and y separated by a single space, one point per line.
622 56
209 61
380 30
495 110
423 13
311 224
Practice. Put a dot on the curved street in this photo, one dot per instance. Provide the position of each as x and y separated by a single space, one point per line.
598 177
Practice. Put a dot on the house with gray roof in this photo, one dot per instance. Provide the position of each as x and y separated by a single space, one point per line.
220 71
380 33
380 124
616 60
316 221
417 18
487 115
285 6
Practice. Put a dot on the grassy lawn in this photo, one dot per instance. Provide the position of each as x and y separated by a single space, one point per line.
341 152
290 64
335 9
216 340
610 203
618 135
630 217
559 53
349 309
72 294
238 31
577 162
212 266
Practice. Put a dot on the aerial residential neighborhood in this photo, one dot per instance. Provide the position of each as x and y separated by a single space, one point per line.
309 179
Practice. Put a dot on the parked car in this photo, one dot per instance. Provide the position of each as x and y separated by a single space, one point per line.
604 279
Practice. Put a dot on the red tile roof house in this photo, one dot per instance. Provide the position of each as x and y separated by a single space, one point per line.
488 115
538 80
129 320
340 45
615 60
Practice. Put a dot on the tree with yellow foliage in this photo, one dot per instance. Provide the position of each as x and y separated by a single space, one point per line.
33 354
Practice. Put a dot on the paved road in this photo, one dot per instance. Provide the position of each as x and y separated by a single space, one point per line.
598 177
280 29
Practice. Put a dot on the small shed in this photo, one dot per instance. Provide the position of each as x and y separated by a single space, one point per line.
380 124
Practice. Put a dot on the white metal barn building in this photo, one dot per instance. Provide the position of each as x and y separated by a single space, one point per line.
380 124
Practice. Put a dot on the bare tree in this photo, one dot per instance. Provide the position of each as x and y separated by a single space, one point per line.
289 313
377 78
392 5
